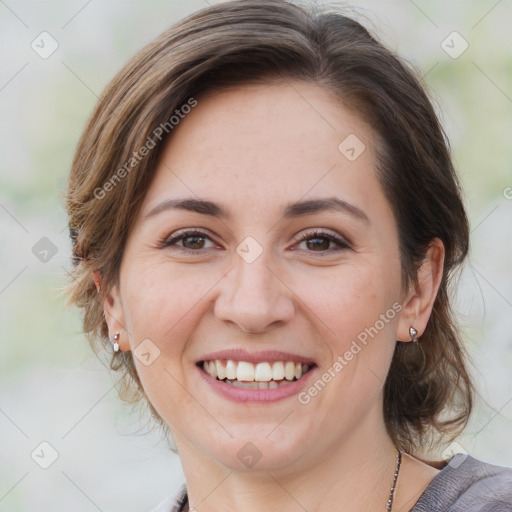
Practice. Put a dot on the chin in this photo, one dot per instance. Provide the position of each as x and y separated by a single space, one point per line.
248 451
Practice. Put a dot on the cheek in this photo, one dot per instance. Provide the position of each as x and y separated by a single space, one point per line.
359 309
356 304
161 303
351 298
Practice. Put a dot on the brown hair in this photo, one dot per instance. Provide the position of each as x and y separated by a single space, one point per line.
428 391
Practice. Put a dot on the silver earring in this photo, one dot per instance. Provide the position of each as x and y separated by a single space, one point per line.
115 340
413 332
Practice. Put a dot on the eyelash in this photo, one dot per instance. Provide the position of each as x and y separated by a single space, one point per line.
340 242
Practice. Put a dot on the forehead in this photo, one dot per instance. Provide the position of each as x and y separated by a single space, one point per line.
266 145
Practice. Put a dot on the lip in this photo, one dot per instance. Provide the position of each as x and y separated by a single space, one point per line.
256 396
270 356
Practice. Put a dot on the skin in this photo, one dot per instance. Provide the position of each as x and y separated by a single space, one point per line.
255 149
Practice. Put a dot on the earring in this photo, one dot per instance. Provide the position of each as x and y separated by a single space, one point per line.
413 332
115 340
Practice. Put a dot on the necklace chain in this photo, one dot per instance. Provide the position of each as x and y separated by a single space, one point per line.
392 492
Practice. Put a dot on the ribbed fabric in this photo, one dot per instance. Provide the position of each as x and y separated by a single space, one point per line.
465 484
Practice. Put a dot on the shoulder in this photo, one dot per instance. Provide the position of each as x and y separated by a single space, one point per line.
467 484
174 502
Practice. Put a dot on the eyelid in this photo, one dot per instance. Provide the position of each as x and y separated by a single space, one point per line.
171 240
340 241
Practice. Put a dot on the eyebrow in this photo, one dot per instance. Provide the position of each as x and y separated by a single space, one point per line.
296 209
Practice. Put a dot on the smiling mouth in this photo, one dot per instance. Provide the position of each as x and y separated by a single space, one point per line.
264 375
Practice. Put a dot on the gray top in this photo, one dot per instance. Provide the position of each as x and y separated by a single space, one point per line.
465 484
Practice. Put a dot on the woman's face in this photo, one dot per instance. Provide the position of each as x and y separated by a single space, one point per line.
247 282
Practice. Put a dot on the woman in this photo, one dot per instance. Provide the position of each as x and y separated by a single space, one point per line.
265 221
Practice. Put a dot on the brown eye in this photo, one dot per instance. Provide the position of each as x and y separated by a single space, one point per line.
320 241
192 241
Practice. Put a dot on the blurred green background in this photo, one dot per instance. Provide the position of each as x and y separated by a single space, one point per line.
52 388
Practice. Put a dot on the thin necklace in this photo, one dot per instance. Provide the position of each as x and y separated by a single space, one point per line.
391 494
397 470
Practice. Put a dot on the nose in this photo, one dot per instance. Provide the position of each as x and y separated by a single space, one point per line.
254 298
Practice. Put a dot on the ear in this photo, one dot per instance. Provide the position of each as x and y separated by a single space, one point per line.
420 298
113 313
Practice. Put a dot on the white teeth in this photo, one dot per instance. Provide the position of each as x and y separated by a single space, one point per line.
212 369
278 371
257 385
245 385
289 370
244 371
263 373
231 369
221 370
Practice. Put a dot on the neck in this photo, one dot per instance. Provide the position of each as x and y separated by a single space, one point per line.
357 472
